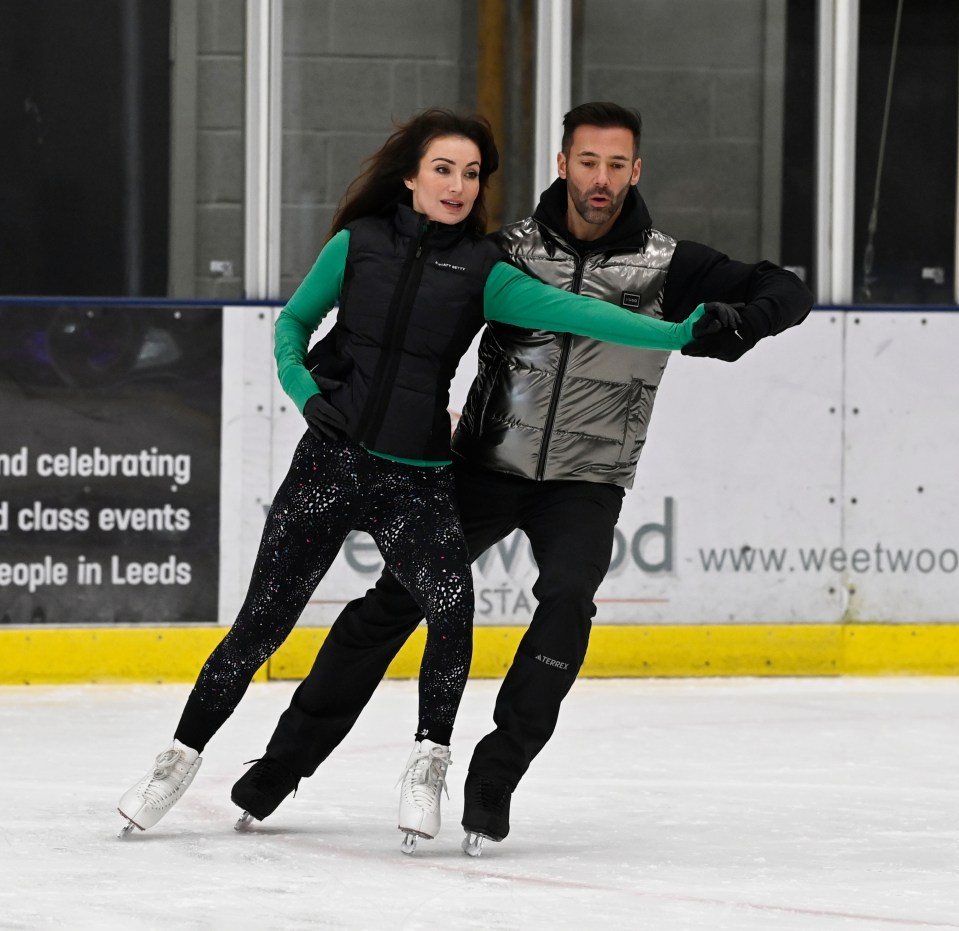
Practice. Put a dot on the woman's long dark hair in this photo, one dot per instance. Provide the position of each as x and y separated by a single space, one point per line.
379 187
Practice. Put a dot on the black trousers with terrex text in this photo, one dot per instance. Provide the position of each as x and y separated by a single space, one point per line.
570 528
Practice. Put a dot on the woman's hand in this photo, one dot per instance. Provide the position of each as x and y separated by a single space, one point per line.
323 419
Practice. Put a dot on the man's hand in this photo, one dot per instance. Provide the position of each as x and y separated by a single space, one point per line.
721 333
717 317
323 419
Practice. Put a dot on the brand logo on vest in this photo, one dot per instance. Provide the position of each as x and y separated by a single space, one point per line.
450 266
631 299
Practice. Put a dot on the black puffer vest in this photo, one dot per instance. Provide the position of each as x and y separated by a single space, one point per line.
411 303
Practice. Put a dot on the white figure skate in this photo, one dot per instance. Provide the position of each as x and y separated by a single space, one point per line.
422 784
160 789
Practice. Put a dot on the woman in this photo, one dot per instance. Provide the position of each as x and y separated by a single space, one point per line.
415 280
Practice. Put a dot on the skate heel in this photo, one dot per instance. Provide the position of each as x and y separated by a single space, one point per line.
473 844
243 822
410 838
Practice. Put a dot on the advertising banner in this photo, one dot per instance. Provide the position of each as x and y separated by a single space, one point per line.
109 463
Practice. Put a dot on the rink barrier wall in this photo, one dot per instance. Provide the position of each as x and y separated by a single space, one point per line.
44 656
870 622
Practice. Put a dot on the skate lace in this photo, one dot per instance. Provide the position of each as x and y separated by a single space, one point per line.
165 763
492 796
157 789
425 774
268 772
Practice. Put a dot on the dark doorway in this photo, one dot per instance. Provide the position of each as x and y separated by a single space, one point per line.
84 147
910 258
797 243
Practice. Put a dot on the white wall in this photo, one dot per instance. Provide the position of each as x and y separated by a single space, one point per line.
827 454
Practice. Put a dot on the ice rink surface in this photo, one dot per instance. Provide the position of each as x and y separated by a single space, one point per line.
662 805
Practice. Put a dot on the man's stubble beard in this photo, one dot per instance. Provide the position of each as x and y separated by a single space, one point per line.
596 215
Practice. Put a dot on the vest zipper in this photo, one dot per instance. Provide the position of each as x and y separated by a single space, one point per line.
397 319
558 381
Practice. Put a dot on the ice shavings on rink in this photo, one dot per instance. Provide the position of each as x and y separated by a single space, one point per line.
749 805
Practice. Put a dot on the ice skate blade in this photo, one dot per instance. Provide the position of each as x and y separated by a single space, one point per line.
126 829
243 822
409 844
473 843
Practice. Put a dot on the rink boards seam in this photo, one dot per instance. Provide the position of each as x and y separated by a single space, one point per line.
175 654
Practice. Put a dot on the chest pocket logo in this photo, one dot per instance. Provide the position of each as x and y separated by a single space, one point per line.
631 299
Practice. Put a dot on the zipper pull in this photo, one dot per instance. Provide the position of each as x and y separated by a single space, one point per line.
425 230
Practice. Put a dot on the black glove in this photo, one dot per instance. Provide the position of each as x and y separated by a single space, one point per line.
323 419
721 333
323 360
325 384
717 316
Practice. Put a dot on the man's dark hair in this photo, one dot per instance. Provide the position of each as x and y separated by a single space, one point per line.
605 115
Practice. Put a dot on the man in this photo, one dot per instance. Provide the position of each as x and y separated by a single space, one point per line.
548 442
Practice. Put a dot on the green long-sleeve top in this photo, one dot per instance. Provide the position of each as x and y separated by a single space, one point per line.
510 296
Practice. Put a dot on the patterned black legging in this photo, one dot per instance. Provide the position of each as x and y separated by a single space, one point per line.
332 488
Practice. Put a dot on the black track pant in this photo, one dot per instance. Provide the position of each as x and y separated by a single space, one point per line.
570 527
331 489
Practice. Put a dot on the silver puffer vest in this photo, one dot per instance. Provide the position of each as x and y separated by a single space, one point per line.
555 406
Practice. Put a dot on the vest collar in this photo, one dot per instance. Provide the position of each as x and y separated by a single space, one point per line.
629 231
409 223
